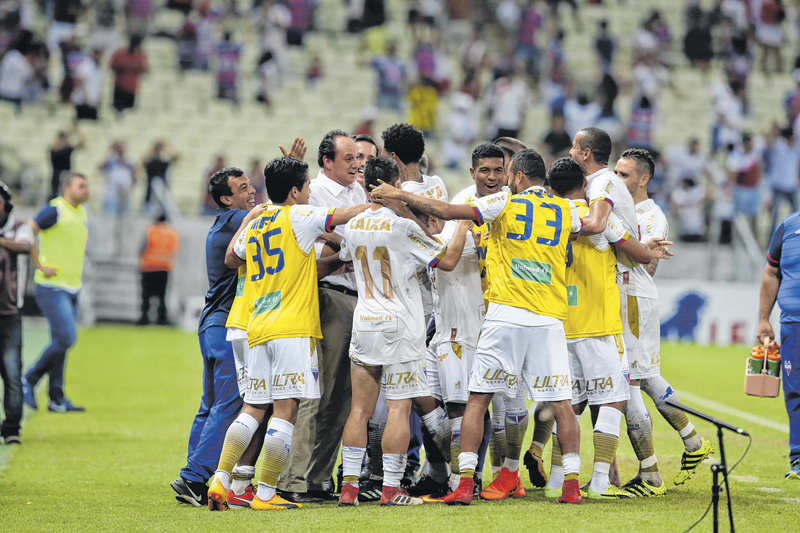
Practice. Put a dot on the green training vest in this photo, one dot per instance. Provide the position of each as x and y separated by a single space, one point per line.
63 246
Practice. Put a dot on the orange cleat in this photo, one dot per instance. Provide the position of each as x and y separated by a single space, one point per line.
506 485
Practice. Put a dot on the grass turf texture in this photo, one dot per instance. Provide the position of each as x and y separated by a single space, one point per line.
109 468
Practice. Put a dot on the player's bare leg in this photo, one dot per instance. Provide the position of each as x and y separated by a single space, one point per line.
507 483
471 436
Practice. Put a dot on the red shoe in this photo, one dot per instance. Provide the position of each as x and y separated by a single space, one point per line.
349 497
239 502
463 493
507 484
398 496
570 492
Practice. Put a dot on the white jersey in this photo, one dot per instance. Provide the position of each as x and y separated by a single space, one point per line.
386 250
465 195
430 187
652 221
458 306
632 278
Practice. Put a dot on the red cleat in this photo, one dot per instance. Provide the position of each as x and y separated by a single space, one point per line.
463 493
349 497
506 485
245 500
571 492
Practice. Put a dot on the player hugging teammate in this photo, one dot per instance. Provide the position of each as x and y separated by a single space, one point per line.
535 284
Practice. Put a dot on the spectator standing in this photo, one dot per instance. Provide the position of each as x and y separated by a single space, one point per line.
391 79
579 113
301 11
744 171
462 123
16 72
87 91
257 181
314 72
138 14
640 124
780 282
206 29
128 65
507 101
16 239
605 45
738 65
210 205
62 27
228 54
557 142
473 54
271 24
267 79
726 109
782 162
186 44
769 16
526 46
120 176
688 203
156 261
698 41
61 228
61 156
105 35
156 165
423 101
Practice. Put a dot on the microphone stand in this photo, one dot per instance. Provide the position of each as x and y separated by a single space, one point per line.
718 468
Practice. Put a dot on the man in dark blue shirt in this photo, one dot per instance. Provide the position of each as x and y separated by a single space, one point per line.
782 281
220 403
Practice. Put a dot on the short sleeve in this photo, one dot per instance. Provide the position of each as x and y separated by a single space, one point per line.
655 226
775 246
24 233
489 207
47 217
575 219
240 246
344 251
309 222
615 232
422 248
604 189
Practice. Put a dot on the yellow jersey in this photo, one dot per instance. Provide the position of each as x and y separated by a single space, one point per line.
527 252
592 292
240 312
281 282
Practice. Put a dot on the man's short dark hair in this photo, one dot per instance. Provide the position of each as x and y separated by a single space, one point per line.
405 141
565 175
218 184
327 147
421 216
510 145
599 142
381 168
283 173
530 163
486 151
366 138
70 177
643 158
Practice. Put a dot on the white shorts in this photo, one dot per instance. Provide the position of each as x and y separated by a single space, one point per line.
241 349
599 369
282 369
448 366
536 354
641 328
400 381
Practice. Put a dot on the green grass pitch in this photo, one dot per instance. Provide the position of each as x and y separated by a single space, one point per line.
109 469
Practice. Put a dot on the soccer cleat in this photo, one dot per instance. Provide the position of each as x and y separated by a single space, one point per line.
477 486
640 488
217 497
794 473
611 493
436 497
535 466
64 406
29 395
192 492
370 490
425 485
552 493
506 485
349 497
463 493
240 502
570 493
691 460
275 504
398 496
12 439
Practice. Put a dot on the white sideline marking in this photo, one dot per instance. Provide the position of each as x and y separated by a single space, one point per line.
744 415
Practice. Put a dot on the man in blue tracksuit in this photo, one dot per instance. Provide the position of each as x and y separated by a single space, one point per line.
782 281
220 403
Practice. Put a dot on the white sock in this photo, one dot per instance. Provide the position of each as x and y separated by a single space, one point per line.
352 458
467 461
511 464
556 478
432 420
571 463
242 478
394 466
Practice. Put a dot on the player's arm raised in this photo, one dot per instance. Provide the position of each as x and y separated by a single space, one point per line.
455 247
342 215
429 206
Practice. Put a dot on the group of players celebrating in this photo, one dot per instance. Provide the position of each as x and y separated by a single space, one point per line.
532 283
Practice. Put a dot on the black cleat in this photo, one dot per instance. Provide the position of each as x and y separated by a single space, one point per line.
192 492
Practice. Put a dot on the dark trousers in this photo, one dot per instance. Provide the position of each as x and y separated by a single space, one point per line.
60 308
11 372
123 100
320 423
219 406
154 284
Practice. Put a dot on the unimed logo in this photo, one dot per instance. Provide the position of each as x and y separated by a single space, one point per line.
269 302
534 271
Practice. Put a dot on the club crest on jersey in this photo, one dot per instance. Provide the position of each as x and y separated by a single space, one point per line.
626 278
788 366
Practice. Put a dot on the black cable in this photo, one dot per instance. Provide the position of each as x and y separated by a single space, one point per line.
729 471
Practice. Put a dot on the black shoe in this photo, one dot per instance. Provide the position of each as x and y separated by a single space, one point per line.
300 497
64 406
192 492
144 321
370 490
12 439
478 487
535 467
425 485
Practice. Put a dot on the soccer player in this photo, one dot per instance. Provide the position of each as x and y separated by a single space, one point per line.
61 228
635 168
405 144
220 402
523 334
388 341
594 331
282 332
